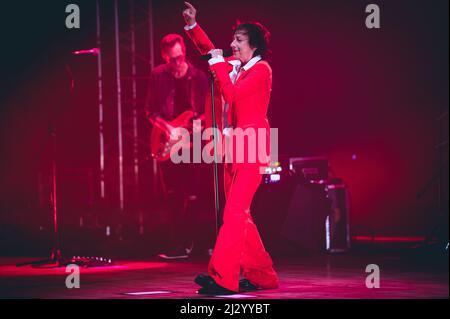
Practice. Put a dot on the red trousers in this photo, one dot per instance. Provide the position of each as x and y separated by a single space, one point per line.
238 244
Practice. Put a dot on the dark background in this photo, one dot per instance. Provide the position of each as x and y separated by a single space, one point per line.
369 99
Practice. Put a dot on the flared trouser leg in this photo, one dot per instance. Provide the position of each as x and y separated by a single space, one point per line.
239 244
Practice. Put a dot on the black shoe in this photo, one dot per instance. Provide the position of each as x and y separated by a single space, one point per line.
204 280
219 291
245 285
210 287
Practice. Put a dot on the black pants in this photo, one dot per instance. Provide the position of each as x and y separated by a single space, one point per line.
182 186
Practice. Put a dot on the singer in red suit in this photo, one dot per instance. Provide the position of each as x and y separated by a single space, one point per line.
243 84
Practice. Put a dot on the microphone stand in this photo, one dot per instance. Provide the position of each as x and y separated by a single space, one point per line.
226 53
55 259
216 175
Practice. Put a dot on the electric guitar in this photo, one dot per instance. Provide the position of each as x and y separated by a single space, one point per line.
161 145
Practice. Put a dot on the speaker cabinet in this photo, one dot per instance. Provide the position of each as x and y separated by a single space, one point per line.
307 213
337 226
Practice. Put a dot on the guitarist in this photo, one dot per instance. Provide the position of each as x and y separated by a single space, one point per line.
175 87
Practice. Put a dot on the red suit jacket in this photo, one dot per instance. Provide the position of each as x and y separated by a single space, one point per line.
248 97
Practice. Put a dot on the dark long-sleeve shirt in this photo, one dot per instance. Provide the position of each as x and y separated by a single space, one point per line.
168 97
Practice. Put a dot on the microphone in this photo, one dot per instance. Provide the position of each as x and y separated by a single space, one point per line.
226 53
93 51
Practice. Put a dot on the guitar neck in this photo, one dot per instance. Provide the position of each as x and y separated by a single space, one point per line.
161 124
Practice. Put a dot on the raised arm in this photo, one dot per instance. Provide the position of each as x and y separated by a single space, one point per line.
194 32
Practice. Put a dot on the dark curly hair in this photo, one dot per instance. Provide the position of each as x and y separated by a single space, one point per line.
258 36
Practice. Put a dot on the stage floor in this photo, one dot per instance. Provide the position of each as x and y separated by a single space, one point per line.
302 277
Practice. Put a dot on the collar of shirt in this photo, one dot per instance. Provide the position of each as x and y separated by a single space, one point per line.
236 63
234 74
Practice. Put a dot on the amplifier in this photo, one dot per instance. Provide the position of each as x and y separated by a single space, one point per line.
309 168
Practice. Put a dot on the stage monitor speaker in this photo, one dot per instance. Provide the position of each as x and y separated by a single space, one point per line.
305 221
